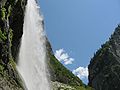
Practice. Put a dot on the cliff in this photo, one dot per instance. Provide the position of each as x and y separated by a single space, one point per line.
11 23
104 67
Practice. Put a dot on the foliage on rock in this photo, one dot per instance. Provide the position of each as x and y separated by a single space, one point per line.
9 77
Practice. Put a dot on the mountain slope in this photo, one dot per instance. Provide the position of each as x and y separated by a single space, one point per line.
104 68
61 74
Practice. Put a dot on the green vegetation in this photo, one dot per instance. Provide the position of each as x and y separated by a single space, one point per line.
83 88
1 69
11 36
63 75
2 36
12 63
10 79
3 13
103 49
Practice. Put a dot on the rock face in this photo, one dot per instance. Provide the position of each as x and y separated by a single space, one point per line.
104 67
11 24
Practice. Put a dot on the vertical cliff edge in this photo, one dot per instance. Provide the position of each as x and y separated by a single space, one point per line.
104 67
11 24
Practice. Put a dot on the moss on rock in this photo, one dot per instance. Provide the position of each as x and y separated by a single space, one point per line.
9 77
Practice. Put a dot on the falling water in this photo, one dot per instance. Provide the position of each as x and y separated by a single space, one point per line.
32 56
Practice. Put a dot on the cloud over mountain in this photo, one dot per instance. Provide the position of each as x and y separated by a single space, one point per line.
62 56
81 72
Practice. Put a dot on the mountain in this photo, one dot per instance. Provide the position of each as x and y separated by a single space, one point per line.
11 30
104 67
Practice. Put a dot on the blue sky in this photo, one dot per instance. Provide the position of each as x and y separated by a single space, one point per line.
79 26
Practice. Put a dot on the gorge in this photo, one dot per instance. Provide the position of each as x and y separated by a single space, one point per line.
24 48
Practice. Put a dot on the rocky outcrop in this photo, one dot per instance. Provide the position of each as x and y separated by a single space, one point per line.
11 24
104 67
60 86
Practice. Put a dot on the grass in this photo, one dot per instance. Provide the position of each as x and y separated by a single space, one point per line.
63 75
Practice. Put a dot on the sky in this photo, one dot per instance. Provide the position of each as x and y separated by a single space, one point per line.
77 28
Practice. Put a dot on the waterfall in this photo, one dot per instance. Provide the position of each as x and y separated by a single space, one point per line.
32 55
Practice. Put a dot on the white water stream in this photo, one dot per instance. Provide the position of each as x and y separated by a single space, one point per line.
32 55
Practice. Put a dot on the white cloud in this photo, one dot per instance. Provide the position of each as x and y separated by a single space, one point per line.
62 56
81 72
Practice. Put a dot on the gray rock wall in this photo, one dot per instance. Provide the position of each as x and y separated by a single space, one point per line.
104 67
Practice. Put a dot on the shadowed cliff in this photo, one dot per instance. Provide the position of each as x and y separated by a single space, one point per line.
11 23
104 67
